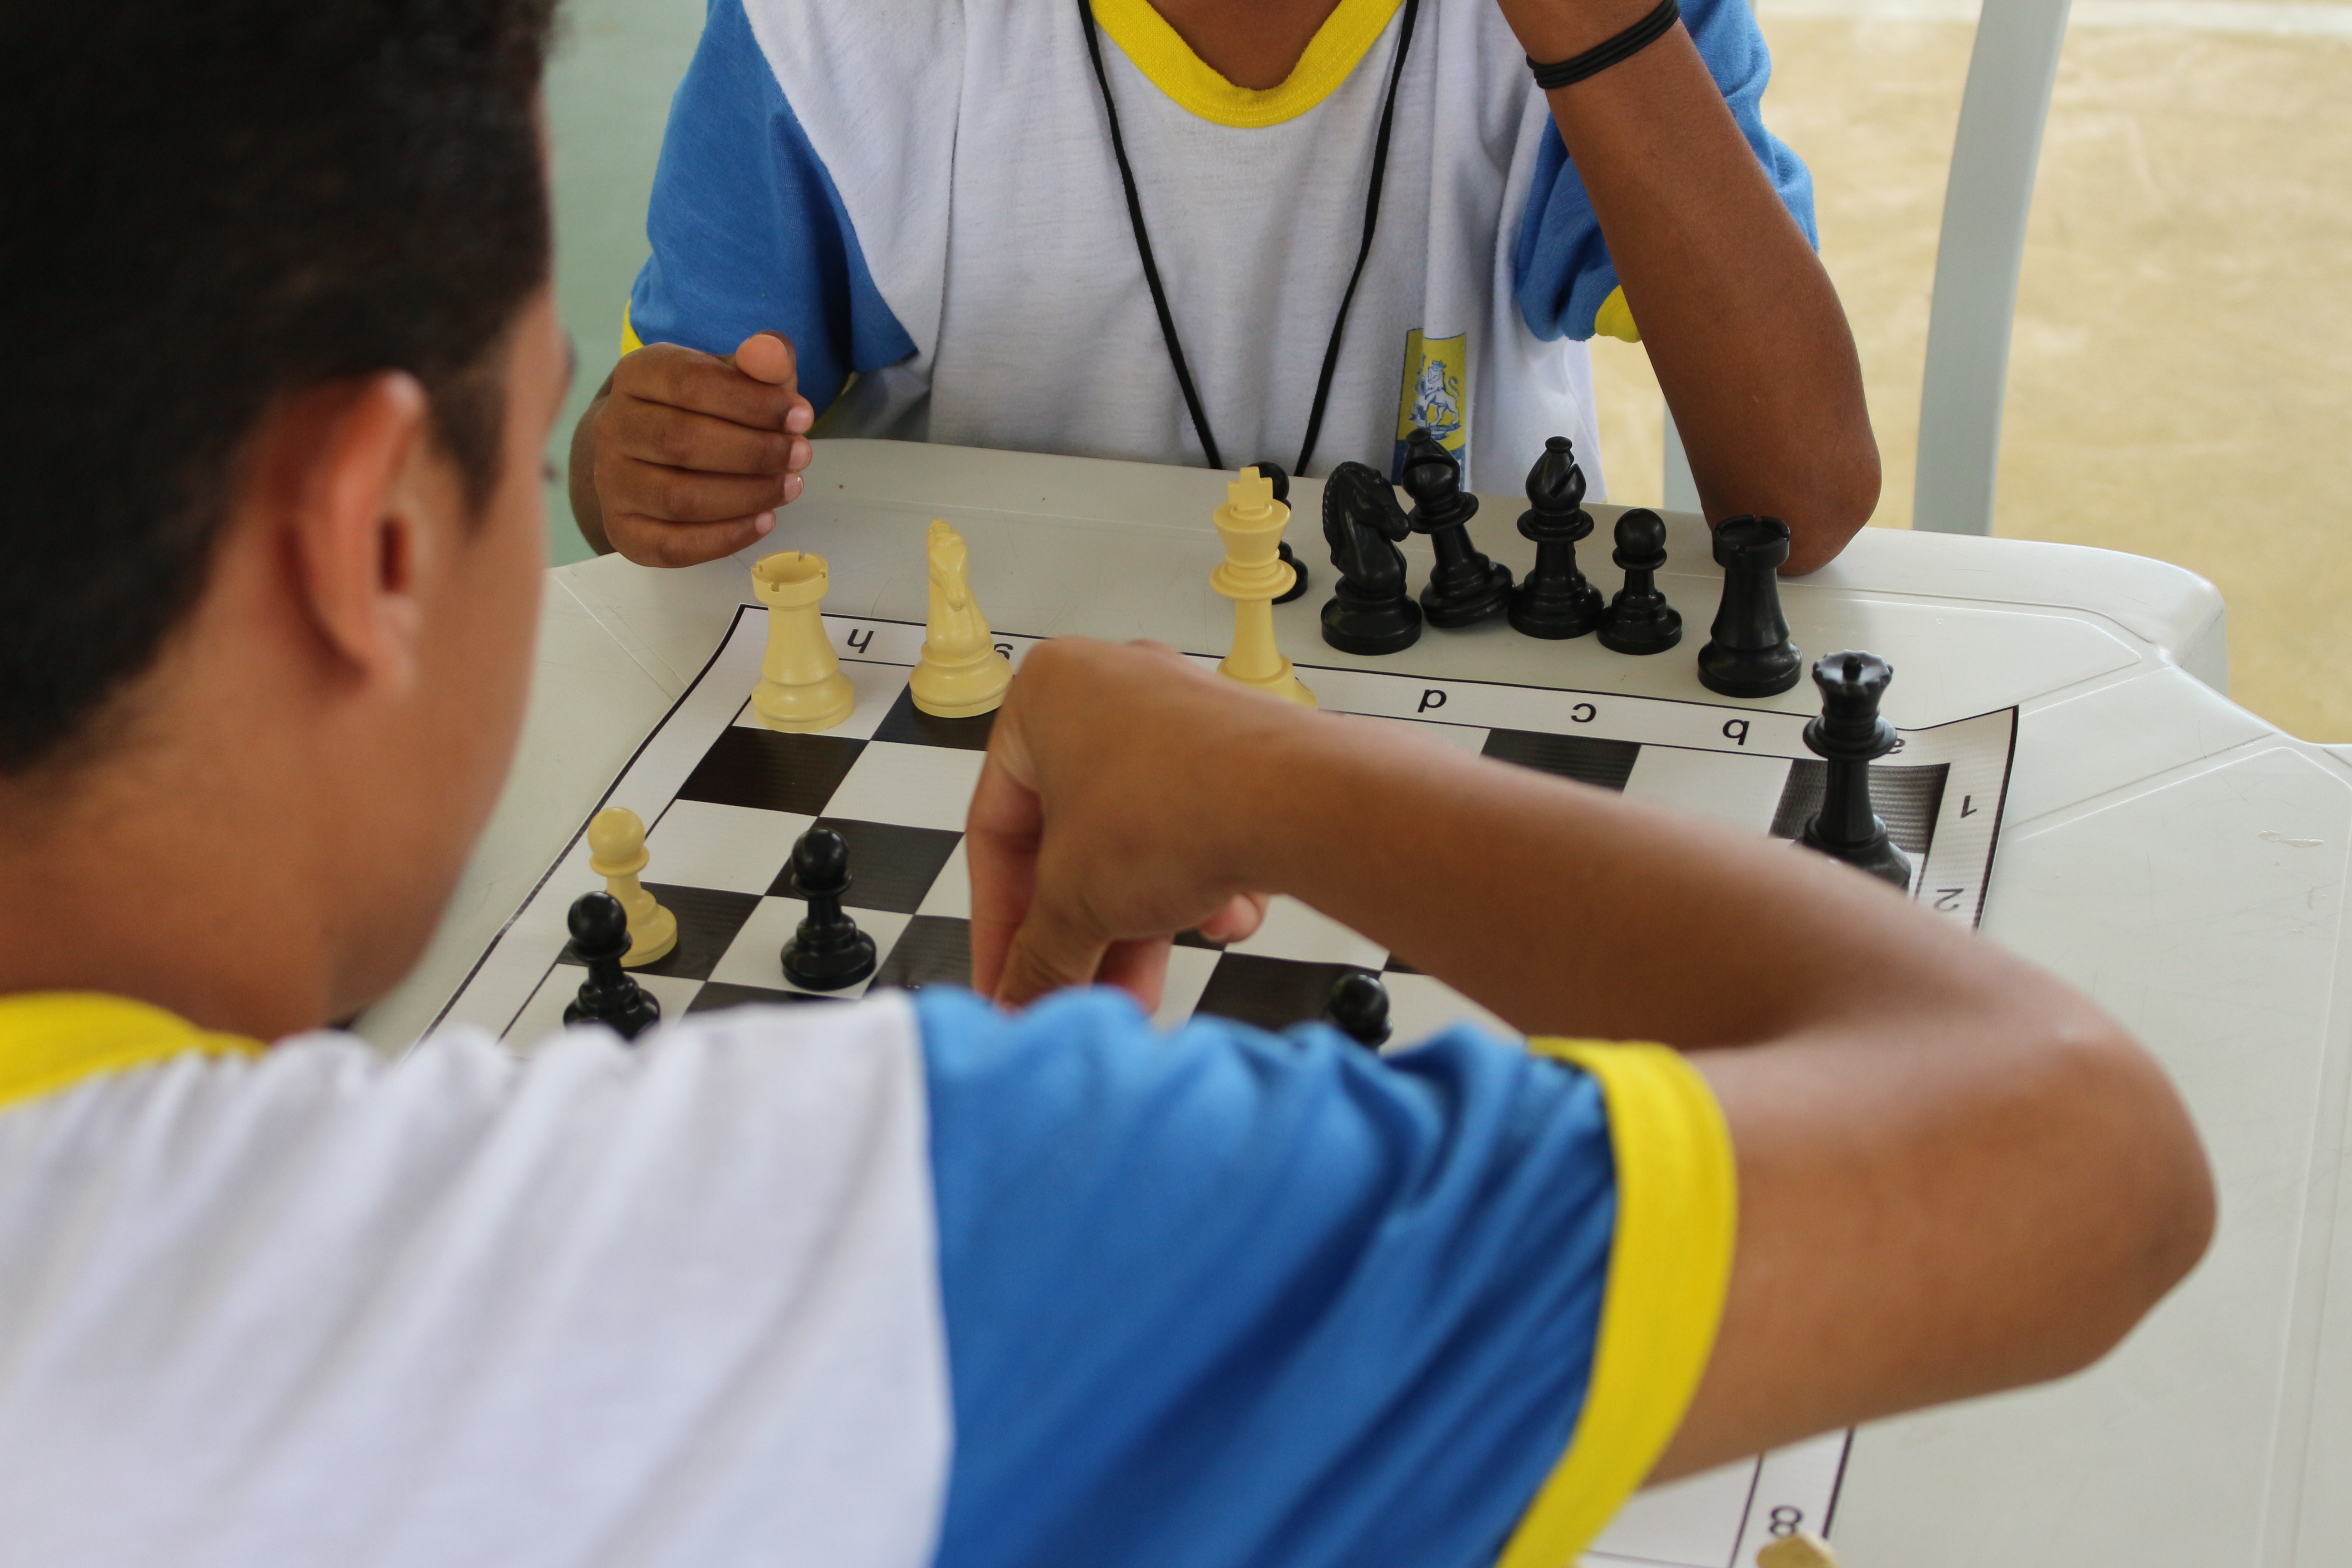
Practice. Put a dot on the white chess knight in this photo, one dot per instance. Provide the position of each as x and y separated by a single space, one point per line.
616 852
962 674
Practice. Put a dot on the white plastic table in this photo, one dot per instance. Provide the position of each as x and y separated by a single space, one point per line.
2175 856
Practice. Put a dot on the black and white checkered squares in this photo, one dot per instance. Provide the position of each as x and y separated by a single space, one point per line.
726 798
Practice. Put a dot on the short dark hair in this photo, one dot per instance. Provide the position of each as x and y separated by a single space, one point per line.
208 206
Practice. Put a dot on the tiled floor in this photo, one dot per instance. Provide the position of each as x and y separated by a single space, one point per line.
2180 381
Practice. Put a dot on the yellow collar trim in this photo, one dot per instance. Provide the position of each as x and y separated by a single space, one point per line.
52 1040
1144 36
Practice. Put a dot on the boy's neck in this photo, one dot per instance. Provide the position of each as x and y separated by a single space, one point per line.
1250 43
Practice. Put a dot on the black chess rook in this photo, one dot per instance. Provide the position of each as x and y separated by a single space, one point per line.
1848 736
1369 612
1359 1008
610 995
827 950
1747 652
1555 601
1279 477
1639 620
1465 588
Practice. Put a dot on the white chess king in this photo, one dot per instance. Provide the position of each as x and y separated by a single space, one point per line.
1251 523
962 674
800 684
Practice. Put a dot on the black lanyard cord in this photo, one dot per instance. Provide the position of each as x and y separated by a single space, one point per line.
1151 267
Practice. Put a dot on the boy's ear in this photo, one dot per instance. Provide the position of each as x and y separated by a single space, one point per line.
356 479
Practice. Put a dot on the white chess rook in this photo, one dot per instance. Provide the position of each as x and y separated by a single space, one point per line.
962 674
800 684
616 852
1251 522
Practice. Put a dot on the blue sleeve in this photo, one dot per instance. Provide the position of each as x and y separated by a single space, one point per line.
1222 1297
749 233
1562 271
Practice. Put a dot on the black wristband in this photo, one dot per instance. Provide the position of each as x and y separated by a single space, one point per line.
1609 52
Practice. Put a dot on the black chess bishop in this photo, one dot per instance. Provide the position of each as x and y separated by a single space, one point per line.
1747 652
1359 1008
1555 600
1848 737
1639 620
827 950
1369 612
1465 588
1279 477
610 995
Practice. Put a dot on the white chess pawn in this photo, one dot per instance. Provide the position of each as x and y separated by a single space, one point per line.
800 684
1251 523
962 674
616 852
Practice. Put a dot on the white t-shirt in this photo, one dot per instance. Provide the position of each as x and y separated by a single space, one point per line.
924 191
900 1282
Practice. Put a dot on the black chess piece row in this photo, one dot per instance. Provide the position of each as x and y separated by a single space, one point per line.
1371 610
827 952
1748 652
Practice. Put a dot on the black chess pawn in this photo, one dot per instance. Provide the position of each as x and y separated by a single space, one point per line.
610 995
1747 651
1359 1008
1280 478
1465 588
1555 600
827 950
1370 611
1847 736
1638 619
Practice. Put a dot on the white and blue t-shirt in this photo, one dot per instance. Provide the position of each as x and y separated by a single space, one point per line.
870 1285
922 195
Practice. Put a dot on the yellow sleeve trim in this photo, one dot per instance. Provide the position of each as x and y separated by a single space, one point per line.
1669 1265
1164 57
52 1040
1615 318
630 341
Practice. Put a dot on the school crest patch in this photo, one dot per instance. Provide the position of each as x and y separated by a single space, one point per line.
1436 393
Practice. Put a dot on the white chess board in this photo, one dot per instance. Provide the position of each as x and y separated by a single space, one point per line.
724 798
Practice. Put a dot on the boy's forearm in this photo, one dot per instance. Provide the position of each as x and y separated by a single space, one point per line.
1741 323
1594 915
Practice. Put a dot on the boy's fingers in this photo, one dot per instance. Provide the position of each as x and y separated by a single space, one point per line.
685 496
1046 955
1138 968
769 357
1001 832
1238 920
681 378
684 438
652 542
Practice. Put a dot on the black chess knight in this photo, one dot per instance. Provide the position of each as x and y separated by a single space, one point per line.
1279 477
1370 611
1747 651
1555 601
1639 620
1465 588
1848 736
610 995
827 950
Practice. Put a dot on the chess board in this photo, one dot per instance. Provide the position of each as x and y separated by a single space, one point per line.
724 798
